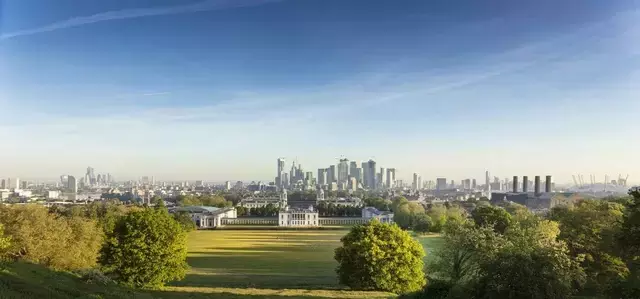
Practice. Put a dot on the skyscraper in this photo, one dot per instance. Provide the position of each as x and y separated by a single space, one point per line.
419 182
441 183
332 175
280 173
322 176
382 176
343 171
391 177
487 186
415 185
371 170
72 187
473 184
353 169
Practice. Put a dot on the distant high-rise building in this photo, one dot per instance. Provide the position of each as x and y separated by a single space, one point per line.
343 171
353 184
382 176
371 169
414 184
23 185
487 186
332 174
453 184
72 187
322 176
227 185
473 184
353 170
365 174
13 183
441 184
391 177
280 173
420 182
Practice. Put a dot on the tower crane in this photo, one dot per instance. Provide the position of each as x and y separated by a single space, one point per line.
574 180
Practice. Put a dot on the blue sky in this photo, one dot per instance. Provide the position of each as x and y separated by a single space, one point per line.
217 90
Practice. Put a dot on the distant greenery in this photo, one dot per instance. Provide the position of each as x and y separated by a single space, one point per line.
332 210
185 220
147 248
378 203
377 256
203 200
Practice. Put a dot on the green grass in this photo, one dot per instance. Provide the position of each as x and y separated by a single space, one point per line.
224 264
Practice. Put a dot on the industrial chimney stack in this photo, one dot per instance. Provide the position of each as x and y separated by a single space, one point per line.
515 184
525 184
537 185
547 184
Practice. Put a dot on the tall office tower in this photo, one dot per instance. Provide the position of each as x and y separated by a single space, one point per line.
473 184
383 178
286 180
414 184
153 181
453 184
391 177
343 171
419 182
3 184
441 183
525 184
24 185
332 176
280 173
91 176
371 169
353 170
365 174
357 173
72 187
322 176
487 187
308 175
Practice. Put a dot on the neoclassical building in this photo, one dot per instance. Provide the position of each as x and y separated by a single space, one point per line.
207 217
298 217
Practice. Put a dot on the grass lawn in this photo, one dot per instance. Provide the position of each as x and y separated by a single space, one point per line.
286 263
224 264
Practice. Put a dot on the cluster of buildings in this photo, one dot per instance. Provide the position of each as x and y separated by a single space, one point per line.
288 215
346 175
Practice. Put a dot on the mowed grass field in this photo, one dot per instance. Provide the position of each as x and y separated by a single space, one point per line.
270 264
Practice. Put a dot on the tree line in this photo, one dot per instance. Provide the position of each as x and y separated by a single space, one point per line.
589 249
133 245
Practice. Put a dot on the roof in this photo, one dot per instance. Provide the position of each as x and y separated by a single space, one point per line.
197 209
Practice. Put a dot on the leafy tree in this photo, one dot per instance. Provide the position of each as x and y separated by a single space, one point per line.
422 223
589 228
495 217
378 203
397 202
516 274
628 240
377 256
438 214
147 248
5 242
405 214
185 221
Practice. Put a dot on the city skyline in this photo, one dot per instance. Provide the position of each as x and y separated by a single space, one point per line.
214 90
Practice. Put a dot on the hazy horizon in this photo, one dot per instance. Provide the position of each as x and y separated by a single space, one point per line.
217 90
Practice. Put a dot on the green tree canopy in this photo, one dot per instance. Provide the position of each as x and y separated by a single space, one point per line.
495 217
589 228
147 248
422 223
377 256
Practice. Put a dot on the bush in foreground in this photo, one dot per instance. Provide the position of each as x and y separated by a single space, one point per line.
382 257
147 248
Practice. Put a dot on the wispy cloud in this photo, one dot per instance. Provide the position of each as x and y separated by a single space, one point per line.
207 5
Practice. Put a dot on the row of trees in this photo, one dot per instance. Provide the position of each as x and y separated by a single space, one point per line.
589 249
136 246
203 200
414 216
